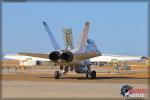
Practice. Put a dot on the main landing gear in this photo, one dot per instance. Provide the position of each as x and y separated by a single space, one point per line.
56 74
63 70
92 74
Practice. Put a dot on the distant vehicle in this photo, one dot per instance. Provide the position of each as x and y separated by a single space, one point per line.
76 59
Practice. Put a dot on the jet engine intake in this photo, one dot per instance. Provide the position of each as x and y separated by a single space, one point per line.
54 56
67 56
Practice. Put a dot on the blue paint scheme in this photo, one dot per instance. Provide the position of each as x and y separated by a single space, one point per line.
91 46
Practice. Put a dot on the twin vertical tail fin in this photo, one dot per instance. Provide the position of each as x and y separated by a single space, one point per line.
83 39
52 39
68 39
81 46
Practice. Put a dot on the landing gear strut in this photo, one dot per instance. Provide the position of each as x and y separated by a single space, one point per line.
87 75
91 73
56 74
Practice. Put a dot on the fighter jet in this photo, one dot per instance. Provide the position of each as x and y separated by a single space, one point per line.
76 59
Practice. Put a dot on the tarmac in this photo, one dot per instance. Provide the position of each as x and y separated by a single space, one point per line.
40 83
30 89
69 86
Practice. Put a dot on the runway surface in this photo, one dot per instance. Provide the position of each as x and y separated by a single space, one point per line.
68 88
30 89
41 84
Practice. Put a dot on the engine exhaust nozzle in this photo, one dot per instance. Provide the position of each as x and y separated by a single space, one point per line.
67 56
54 56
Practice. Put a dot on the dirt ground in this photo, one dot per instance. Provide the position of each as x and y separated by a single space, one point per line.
141 72
110 78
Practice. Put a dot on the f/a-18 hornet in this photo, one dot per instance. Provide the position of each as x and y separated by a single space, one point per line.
76 59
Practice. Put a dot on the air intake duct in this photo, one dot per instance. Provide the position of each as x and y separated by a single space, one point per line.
67 56
54 56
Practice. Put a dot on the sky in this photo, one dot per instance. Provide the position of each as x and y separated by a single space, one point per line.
117 28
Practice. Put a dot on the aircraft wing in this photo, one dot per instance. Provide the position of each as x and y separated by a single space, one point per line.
40 55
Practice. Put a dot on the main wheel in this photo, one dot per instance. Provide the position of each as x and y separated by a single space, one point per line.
93 74
56 74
